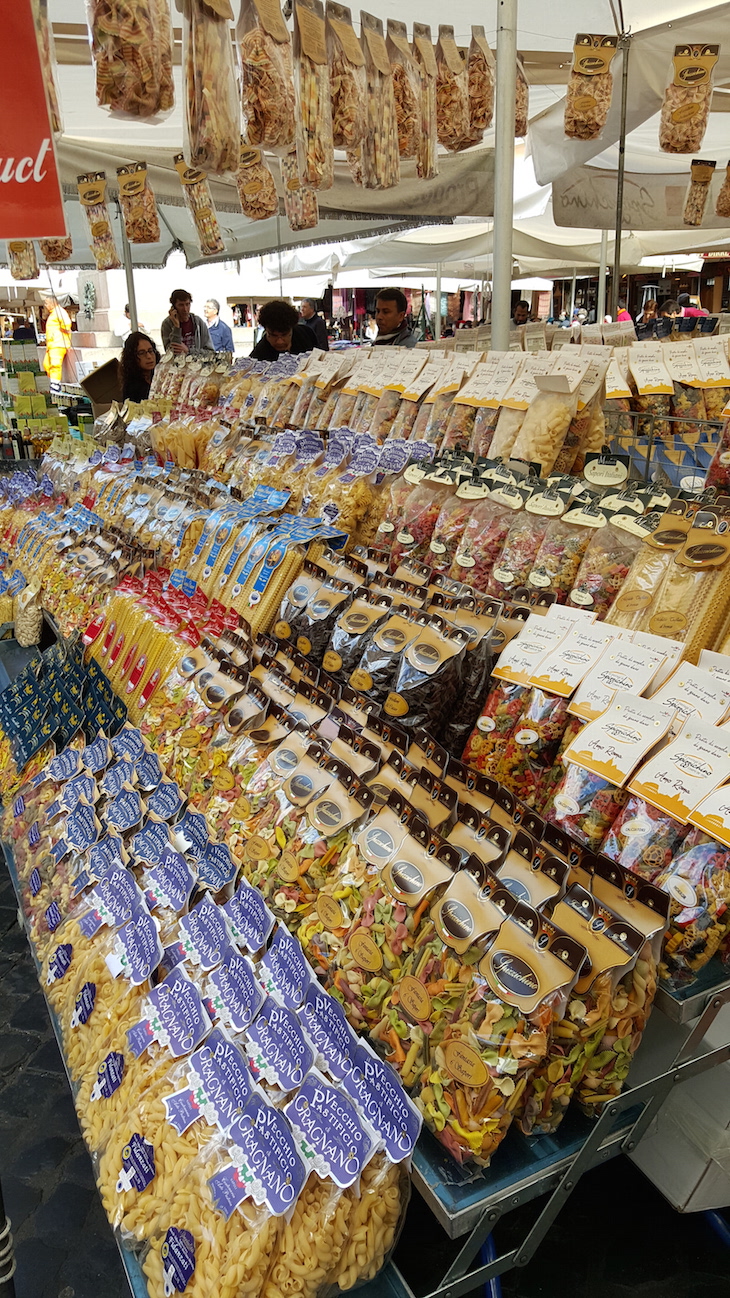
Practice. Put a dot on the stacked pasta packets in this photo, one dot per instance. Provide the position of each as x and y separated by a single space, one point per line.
184 1148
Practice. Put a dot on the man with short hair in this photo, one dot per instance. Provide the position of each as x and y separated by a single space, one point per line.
309 316
521 313
282 332
685 305
220 333
183 332
391 307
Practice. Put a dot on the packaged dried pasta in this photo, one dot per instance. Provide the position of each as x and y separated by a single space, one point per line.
718 473
380 154
131 47
92 195
559 558
528 754
604 568
427 685
420 513
686 105
644 839
47 53
585 806
590 86
698 192
212 110
139 208
55 249
545 427
722 204
427 154
452 92
481 72
406 88
481 543
522 101
352 633
518 555
300 201
497 721
348 79
267 76
698 883
199 203
256 185
314 107
22 258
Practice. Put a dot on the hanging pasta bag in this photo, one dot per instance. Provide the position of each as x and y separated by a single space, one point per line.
139 208
590 86
92 196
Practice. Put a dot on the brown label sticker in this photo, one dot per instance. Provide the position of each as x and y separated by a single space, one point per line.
668 623
365 952
635 600
463 1064
329 911
223 780
304 645
241 808
395 705
331 661
282 630
414 998
190 738
288 868
361 680
257 849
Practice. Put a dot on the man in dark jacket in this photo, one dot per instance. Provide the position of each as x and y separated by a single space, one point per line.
310 317
282 332
391 306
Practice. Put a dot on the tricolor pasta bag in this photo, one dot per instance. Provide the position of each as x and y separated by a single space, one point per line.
610 949
92 196
198 200
406 88
590 86
212 110
698 883
380 155
452 92
427 155
267 76
139 208
348 80
132 56
686 105
313 96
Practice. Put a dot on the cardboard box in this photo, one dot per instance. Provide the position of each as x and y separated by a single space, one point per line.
104 385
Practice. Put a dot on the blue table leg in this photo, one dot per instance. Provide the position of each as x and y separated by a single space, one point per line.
719 1224
493 1287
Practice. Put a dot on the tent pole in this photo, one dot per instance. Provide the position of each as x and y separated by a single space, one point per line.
504 153
572 295
601 303
437 312
625 46
278 251
129 272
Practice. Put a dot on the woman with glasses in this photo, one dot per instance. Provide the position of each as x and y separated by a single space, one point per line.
139 358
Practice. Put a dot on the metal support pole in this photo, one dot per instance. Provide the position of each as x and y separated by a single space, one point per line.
601 303
572 295
624 46
437 312
129 272
278 253
504 161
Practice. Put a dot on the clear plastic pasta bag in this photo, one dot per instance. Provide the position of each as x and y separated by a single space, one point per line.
300 201
92 194
406 88
379 151
452 92
267 76
522 102
256 185
314 106
348 79
212 111
199 203
23 261
686 105
590 86
427 155
139 208
131 47
54 250
698 192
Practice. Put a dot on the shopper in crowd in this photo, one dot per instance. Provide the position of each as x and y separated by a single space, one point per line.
310 317
220 333
521 313
183 332
623 314
649 312
282 332
686 308
139 358
58 337
670 309
391 308
24 331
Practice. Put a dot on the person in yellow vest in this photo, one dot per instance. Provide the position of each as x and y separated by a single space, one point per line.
58 338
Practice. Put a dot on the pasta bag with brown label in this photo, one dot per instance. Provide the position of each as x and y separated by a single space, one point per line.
314 105
698 192
267 75
427 154
406 88
590 86
686 106
212 111
137 200
379 154
348 80
92 195
300 201
199 203
23 261
256 185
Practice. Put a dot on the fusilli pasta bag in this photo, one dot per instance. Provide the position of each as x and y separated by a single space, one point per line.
686 105
267 75
380 153
427 154
348 80
590 86
314 106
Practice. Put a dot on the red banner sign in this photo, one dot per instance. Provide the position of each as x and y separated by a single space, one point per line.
31 205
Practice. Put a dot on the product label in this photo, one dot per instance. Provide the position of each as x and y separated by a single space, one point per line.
379 1093
332 1134
216 866
151 841
181 1110
84 1005
267 1158
139 949
109 1076
59 963
622 666
277 1047
125 811
686 771
116 896
178 1260
171 881
612 746
176 1014
328 1031
284 970
166 800
221 1080
236 995
249 918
